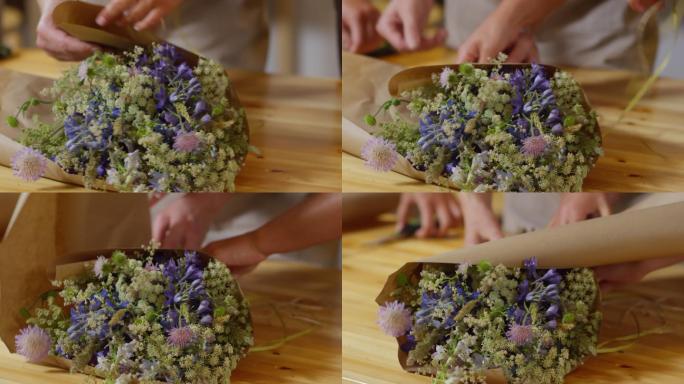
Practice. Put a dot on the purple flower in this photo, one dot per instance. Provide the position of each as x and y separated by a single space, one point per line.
206 119
520 334
33 343
557 129
200 108
186 142
29 164
181 337
380 154
534 146
394 318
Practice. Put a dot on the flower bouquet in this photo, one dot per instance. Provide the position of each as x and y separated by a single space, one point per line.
454 322
459 314
144 120
488 128
142 316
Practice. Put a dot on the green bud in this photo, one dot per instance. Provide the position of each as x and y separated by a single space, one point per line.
396 102
217 111
370 120
119 258
33 101
466 69
109 60
484 266
569 318
219 312
12 121
569 121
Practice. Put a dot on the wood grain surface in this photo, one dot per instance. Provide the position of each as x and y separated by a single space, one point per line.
294 121
643 153
306 297
369 356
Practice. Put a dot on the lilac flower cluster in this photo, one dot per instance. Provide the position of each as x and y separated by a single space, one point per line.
145 121
457 322
501 128
154 315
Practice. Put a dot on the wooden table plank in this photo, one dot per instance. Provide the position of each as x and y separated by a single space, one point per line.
294 121
643 153
299 290
369 356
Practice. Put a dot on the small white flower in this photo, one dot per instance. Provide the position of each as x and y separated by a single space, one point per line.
99 264
439 354
445 77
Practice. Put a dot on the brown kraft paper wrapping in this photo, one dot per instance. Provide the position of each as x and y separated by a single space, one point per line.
47 230
649 233
368 83
78 19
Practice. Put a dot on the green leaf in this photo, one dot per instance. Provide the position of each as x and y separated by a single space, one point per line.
568 318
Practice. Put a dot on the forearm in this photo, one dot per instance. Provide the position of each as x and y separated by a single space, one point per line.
526 13
314 221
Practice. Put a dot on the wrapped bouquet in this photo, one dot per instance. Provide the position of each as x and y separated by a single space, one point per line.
145 120
490 128
455 321
143 316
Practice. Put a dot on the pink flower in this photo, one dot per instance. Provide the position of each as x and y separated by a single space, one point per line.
33 343
186 142
394 318
29 164
380 154
534 146
520 334
181 337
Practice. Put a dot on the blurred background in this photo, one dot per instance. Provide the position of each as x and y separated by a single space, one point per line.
303 34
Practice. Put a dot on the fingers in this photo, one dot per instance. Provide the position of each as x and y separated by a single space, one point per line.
113 11
487 53
62 46
403 211
444 218
151 20
427 218
346 38
156 197
412 33
521 51
455 210
139 10
391 30
603 207
468 52
159 228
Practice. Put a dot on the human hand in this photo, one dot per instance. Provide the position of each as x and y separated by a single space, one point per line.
56 42
644 5
359 18
184 223
613 276
403 24
496 35
141 14
576 207
442 205
479 222
241 253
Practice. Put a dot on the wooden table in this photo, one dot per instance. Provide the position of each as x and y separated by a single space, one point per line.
369 356
294 121
643 153
313 294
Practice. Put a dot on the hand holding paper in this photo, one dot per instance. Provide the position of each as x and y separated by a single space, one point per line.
55 41
141 15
